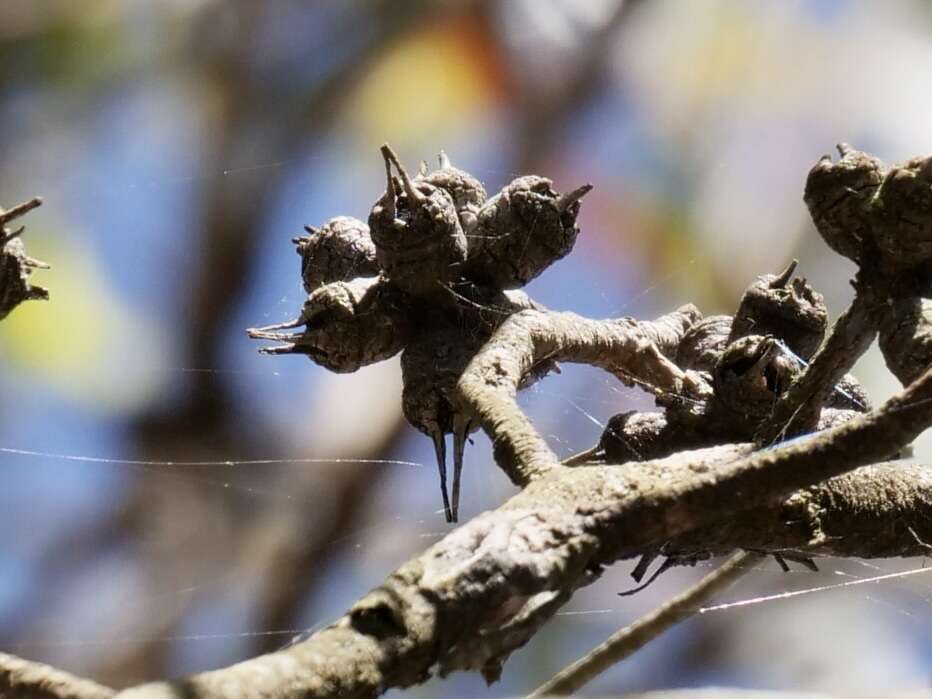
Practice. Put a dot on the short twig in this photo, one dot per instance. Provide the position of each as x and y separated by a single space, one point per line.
634 637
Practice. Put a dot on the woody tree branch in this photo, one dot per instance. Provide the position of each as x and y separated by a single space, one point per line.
502 569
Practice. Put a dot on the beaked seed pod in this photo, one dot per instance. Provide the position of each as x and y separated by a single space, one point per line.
338 251
348 325
750 375
431 366
468 193
521 231
419 242
15 265
838 195
906 338
902 212
783 306
704 343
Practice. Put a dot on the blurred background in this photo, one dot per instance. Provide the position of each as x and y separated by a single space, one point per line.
180 145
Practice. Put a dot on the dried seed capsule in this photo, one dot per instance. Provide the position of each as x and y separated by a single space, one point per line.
785 307
906 338
849 395
15 268
431 365
338 251
521 231
902 214
639 436
419 242
703 343
348 325
468 193
838 194
15 265
751 374
632 436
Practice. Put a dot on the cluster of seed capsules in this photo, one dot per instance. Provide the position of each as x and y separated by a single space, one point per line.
435 272
881 218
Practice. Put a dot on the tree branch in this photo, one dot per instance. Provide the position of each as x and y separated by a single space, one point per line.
503 569
623 347
630 639
24 679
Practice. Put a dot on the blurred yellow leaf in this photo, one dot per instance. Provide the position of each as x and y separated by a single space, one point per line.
84 342
427 86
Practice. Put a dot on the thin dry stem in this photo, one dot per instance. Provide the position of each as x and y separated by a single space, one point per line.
631 639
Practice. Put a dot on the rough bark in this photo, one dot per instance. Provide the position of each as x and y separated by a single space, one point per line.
23 679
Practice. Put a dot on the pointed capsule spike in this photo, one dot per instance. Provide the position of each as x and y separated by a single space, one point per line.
19 210
784 276
640 570
275 337
804 561
844 149
280 349
444 160
287 325
564 201
311 229
664 567
460 433
582 457
440 449
9 236
424 169
808 563
389 184
37 264
414 196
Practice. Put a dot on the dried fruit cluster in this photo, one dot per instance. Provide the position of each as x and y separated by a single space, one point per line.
434 273
749 360
882 219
